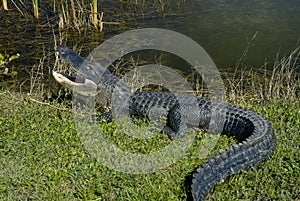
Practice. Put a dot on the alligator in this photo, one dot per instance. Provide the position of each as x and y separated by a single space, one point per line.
256 141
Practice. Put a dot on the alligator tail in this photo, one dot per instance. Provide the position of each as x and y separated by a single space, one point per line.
257 147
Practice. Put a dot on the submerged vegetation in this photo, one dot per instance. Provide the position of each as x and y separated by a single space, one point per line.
42 157
79 14
70 13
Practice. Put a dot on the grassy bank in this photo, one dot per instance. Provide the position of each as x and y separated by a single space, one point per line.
42 157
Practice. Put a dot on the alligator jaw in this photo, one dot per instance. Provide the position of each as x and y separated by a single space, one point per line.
83 86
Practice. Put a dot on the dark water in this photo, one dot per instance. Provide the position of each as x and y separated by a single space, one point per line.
222 27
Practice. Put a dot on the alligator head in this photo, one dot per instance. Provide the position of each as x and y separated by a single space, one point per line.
83 86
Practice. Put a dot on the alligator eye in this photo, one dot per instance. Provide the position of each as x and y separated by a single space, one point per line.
62 49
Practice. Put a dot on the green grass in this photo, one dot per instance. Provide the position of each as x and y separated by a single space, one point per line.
277 178
42 158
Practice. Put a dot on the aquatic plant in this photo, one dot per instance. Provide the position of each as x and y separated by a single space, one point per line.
85 13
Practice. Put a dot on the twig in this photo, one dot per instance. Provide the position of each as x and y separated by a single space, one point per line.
49 105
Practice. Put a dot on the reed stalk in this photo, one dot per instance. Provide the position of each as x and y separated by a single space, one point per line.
64 15
36 9
75 21
95 13
5 5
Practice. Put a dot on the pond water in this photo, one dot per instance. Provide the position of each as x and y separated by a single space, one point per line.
222 27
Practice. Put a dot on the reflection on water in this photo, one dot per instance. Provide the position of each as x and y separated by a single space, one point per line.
222 27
